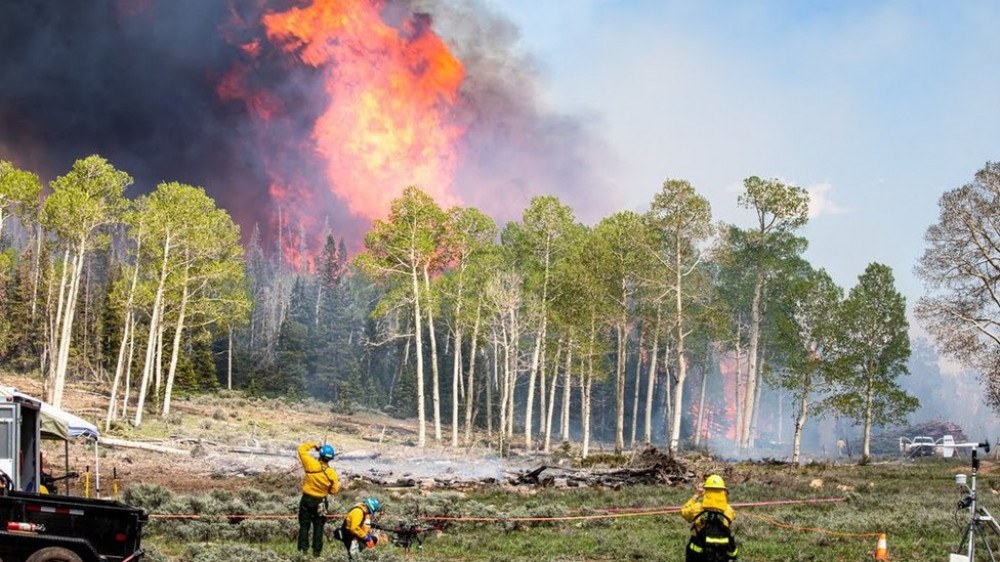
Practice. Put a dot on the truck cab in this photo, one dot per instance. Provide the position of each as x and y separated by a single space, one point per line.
43 527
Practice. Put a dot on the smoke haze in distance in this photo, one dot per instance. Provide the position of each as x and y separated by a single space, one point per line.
198 92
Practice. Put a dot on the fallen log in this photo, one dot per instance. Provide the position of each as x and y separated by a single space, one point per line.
530 477
260 451
112 442
357 455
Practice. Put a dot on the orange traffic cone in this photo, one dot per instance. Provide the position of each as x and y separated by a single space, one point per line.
881 549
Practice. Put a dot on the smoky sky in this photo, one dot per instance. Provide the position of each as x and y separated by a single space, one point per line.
137 82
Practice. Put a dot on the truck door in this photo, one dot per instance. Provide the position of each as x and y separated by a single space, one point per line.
8 439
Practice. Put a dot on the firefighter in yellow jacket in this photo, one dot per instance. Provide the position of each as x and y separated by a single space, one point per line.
356 531
319 482
710 516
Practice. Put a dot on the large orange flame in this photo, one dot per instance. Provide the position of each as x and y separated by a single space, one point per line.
391 97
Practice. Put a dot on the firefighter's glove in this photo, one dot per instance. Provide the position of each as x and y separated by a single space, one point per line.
371 541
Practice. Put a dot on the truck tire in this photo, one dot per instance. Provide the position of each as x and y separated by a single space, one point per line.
54 554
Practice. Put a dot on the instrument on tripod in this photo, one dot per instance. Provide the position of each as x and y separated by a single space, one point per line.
979 518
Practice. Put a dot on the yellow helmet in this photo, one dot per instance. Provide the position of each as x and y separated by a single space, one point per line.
714 481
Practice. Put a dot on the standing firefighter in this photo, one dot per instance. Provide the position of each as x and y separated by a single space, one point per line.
710 516
356 531
319 482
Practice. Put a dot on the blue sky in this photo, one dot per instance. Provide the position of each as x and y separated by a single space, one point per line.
876 108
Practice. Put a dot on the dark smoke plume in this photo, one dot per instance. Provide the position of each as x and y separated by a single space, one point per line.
142 82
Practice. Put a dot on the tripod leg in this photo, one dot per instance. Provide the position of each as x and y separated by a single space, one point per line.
986 543
960 549
976 528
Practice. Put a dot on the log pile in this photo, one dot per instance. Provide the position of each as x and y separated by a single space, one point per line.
887 443
649 467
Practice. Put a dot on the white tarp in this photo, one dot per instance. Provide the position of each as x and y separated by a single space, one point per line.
57 423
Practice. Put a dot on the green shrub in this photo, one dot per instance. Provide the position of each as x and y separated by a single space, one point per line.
151 497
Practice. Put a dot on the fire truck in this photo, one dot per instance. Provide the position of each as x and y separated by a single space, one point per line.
39 525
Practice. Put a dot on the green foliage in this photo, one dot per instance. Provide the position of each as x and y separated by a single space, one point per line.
90 195
872 349
19 190
151 497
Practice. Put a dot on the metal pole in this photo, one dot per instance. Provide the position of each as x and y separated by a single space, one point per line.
972 508
66 462
97 471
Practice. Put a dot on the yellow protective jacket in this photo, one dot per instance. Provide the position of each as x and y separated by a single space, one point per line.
320 480
358 521
713 499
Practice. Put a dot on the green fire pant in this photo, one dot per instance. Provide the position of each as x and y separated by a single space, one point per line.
311 518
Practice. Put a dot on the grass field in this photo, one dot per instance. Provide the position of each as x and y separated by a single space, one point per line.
913 502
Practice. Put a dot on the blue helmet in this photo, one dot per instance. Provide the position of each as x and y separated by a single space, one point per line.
372 505
326 453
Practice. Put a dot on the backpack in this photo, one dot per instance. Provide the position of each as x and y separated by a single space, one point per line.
713 541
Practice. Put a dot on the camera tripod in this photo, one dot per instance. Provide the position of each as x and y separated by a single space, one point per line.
979 518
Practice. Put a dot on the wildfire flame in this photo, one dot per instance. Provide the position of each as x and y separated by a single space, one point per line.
320 111
390 100
391 94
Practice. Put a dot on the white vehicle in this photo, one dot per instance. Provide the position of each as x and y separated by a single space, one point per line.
920 446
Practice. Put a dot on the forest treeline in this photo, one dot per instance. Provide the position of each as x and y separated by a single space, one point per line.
661 324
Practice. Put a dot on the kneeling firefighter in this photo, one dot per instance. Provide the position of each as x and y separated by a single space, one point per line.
710 516
356 531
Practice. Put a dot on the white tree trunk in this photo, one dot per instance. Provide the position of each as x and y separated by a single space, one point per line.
800 422
866 449
635 393
470 388
119 367
530 403
675 428
435 377
567 384
739 387
647 435
158 365
493 383
678 401
55 323
128 371
668 404
175 348
126 336
552 398
456 375
421 414
504 389
36 272
586 388
67 325
700 424
229 361
620 387
515 353
756 404
752 368
154 321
